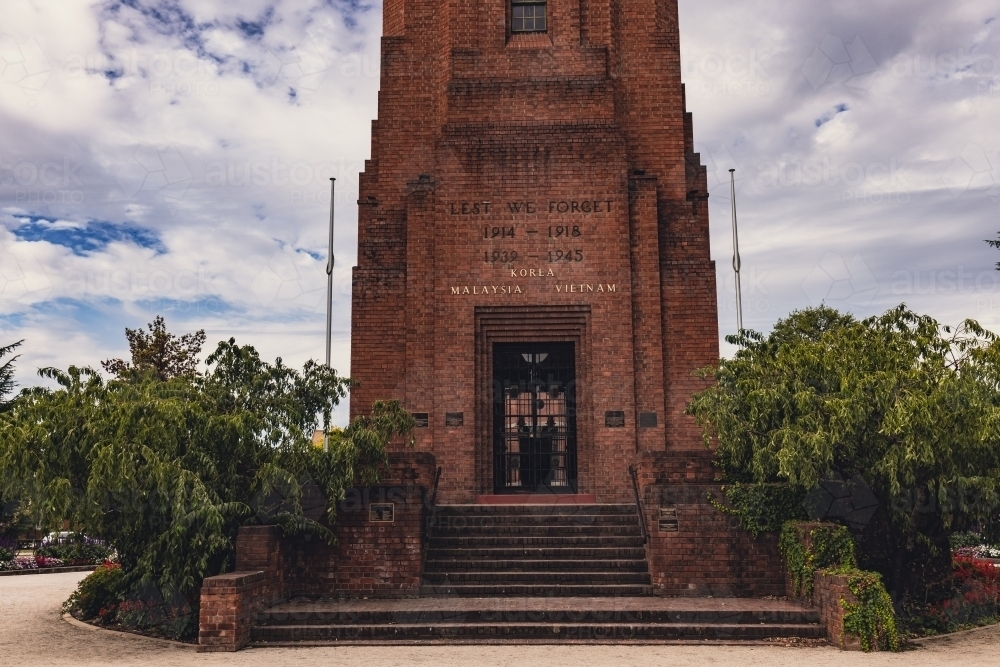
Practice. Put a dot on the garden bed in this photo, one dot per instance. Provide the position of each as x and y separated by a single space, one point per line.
49 570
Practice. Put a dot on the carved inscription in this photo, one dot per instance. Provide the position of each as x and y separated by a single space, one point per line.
484 290
585 289
579 206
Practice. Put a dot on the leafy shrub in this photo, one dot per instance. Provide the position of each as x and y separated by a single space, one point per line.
975 602
19 563
810 547
45 561
99 591
762 508
968 539
8 548
86 552
981 551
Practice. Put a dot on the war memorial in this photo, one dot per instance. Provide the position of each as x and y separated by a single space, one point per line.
534 284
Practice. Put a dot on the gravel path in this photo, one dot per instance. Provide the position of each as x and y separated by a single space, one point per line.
32 632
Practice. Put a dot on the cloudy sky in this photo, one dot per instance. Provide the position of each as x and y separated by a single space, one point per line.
172 157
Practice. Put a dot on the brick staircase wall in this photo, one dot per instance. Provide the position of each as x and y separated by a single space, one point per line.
370 558
705 552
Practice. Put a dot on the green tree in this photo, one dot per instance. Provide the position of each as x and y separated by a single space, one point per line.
910 406
996 244
168 469
159 352
7 374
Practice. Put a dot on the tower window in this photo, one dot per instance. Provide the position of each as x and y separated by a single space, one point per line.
528 16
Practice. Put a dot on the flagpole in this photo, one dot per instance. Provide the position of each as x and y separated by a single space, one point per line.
329 300
736 255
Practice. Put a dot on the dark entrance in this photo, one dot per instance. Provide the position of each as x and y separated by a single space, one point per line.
534 418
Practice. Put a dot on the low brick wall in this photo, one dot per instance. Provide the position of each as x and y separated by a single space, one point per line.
698 549
828 591
374 556
230 602
377 554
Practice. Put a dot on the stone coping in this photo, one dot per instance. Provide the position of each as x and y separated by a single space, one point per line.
121 633
950 635
51 570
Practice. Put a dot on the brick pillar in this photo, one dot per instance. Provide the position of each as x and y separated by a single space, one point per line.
230 602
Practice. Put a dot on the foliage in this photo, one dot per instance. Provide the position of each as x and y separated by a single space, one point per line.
81 552
762 508
19 563
808 547
910 406
6 554
975 601
966 539
980 551
102 589
7 375
166 470
159 352
871 619
996 244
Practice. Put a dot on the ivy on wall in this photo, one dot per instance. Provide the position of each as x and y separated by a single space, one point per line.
808 547
871 619
761 508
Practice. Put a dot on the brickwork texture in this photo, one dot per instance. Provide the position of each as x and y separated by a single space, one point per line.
581 129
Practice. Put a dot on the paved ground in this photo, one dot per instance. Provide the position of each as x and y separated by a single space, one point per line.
32 632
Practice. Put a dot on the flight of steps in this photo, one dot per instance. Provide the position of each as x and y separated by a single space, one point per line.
534 620
534 574
536 550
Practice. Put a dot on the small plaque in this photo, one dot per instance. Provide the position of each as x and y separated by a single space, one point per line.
614 419
422 419
381 513
647 420
454 419
668 520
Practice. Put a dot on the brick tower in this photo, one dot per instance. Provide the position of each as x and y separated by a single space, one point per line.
534 280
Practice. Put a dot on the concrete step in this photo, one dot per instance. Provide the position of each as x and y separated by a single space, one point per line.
536 553
505 578
538 631
533 530
565 612
533 565
545 541
535 590
488 520
533 510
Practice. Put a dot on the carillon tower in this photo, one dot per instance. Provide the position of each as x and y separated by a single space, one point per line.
534 280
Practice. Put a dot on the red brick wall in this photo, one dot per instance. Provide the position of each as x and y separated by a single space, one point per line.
230 602
594 109
828 591
370 559
709 554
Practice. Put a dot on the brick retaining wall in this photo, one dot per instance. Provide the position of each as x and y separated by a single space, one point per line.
709 553
371 558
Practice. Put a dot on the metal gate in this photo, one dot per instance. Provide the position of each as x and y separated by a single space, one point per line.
534 418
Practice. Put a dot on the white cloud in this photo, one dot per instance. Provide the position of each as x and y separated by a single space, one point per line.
218 128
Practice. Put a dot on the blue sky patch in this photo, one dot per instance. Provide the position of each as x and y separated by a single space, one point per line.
829 115
87 237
